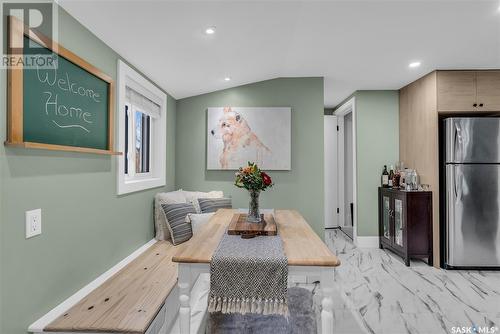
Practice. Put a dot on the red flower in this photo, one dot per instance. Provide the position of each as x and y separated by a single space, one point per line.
266 178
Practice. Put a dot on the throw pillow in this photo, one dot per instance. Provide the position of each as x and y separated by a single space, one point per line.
175 214
161 228
198 220
214 204
192 197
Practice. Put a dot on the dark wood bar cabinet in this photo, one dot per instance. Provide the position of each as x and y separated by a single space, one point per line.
405 223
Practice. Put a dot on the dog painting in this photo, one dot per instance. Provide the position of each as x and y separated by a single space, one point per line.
238 135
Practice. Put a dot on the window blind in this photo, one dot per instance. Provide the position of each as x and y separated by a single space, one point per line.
142 103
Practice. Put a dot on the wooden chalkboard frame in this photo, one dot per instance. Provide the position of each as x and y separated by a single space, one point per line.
16 32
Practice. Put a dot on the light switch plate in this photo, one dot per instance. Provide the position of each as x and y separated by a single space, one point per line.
33 223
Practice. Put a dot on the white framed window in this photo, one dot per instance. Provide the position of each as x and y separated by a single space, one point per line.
142 132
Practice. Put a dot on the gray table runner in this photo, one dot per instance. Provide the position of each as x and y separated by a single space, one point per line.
249 276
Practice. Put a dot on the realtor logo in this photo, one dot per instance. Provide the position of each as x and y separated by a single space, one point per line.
37 19
474 329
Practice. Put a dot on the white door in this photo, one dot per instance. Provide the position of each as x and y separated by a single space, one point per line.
331 191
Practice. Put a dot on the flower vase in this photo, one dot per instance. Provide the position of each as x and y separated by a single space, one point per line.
253 211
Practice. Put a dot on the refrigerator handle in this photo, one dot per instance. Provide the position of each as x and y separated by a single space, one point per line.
457 143
450 216
457 185
454 177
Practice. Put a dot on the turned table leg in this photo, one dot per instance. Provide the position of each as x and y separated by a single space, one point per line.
184 282
326 284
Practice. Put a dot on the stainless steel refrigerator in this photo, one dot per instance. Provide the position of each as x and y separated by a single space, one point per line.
472 164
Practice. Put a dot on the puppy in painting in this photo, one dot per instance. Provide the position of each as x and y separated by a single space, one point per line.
241 144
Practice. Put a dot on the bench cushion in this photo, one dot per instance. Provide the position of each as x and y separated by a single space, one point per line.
128 301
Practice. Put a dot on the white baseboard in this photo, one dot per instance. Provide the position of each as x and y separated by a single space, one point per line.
367 242
40 324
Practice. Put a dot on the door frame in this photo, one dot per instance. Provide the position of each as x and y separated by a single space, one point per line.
330 172
348 107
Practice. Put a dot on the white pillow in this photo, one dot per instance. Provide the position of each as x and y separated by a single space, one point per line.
192 197
161 226
198 220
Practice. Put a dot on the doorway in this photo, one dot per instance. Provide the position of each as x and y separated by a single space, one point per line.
346 168
331 161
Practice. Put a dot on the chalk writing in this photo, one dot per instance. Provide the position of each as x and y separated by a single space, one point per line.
50 78
70 126
65 84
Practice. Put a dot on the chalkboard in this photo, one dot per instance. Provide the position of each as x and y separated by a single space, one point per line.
66 105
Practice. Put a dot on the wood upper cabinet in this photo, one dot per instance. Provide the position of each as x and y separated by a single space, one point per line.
456 90
465 91
420 102
488 90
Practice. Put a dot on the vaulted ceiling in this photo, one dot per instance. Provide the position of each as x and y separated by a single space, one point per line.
352 44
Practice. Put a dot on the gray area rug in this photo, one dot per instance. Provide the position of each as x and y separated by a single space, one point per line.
301 320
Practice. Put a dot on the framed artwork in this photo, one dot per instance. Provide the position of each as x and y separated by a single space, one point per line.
237 135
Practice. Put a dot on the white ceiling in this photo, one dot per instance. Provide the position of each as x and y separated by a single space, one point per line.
353 44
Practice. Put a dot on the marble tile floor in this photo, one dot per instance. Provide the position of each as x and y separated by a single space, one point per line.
347 230
346 320
378 294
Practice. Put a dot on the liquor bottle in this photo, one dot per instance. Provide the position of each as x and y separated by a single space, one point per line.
397 179
385 177
391 177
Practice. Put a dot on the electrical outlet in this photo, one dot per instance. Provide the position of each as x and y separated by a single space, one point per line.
33 223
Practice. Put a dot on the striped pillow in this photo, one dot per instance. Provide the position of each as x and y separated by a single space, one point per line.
180 230
213 204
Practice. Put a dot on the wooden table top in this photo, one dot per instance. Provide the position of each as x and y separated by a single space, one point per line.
302 246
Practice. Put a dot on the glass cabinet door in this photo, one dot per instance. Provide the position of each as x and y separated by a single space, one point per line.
386 216
398 222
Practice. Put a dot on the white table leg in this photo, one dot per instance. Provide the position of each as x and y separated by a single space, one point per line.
184 282
327 284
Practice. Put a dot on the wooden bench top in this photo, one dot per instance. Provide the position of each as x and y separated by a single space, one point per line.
302 246
128 301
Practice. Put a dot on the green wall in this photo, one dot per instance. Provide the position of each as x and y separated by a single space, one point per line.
300 188
86 227
377 144
2 207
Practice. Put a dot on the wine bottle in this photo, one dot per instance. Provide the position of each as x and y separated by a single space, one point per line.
391 177
385 177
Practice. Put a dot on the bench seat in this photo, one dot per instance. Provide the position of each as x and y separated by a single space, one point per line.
129 301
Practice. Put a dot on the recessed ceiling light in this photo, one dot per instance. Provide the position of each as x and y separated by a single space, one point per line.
227 79
414 64
210 30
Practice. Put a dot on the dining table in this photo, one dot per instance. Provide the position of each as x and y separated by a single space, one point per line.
308 257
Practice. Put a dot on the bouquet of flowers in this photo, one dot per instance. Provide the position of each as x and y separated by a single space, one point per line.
252 178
